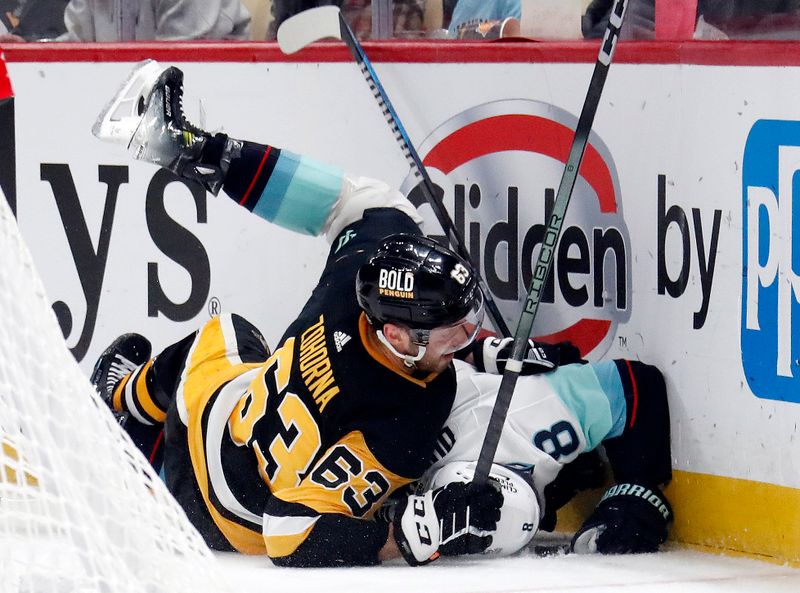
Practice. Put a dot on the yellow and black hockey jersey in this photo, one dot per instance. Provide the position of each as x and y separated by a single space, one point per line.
292 456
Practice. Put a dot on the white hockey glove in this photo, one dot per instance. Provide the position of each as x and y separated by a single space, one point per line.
453 520
491 354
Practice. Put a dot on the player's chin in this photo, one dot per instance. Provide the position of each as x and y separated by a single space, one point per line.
443 362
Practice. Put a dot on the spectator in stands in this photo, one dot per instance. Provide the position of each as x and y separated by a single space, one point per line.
448 6
702 19
8 20
753 19
408 16
167 20
640 19
490 18
31 20
472 15
283 9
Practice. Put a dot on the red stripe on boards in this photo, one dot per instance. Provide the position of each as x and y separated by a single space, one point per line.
712 53
5 82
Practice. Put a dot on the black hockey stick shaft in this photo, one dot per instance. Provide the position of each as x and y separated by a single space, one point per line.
418 168
547 251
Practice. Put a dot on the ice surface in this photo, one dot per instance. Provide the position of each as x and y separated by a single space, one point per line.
672 571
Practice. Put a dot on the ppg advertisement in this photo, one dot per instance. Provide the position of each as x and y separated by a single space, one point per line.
771 258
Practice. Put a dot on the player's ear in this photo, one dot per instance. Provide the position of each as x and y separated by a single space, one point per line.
398 337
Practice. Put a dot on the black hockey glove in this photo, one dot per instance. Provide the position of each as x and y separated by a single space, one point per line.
629 519
453 520
491 354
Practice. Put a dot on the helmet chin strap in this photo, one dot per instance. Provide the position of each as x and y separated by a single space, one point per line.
408 360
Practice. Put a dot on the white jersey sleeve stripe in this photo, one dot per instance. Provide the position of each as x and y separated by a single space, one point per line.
608 375
594 394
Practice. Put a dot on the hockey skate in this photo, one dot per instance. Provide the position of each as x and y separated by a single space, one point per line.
122 357
146 115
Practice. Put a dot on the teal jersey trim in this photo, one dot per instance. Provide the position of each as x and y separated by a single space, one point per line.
608 375
594 393
300 193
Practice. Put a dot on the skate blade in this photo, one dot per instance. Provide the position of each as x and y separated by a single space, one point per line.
119 119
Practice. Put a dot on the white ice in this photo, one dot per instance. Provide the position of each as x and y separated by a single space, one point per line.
673 571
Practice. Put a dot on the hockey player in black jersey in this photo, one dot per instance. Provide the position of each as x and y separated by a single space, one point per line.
290 453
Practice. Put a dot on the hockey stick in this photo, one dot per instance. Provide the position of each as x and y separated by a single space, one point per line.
546 253
327 22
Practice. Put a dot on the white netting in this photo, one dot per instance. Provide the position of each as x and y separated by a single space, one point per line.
80 508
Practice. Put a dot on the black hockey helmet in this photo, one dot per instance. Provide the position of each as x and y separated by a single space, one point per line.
414 281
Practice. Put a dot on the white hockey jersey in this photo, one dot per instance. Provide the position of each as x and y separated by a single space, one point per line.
553 417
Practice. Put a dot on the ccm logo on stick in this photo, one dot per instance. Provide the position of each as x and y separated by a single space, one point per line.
770 282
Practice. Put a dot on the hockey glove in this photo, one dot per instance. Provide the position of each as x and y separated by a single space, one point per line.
491 354
629 519
453 520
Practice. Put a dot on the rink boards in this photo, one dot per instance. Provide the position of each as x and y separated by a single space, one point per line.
681 246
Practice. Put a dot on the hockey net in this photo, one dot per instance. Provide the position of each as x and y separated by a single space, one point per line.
80 508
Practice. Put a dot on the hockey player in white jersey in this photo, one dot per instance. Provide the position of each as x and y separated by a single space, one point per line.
556 415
